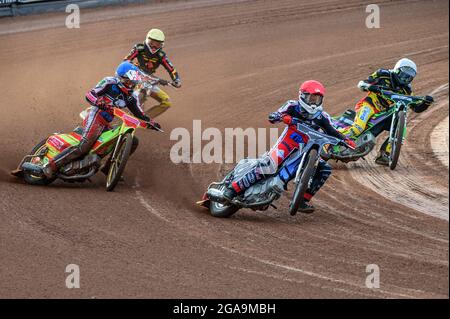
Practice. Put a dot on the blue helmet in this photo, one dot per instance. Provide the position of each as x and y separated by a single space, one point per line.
127 70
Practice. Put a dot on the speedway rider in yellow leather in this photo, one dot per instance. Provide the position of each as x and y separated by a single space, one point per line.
397 80
148 56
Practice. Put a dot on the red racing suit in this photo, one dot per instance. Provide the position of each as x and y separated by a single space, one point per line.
107 94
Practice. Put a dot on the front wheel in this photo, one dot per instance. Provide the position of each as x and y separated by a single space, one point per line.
29 178
303 184
396 143
119 161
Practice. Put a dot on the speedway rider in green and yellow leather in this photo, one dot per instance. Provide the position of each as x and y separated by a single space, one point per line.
397 80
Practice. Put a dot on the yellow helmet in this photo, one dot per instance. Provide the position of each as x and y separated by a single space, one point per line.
155 40
156 34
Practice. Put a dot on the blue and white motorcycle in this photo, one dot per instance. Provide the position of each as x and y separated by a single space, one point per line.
262 194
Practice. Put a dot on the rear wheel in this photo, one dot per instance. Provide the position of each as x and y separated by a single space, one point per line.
119 161
29 178
303 184
396 143
221 210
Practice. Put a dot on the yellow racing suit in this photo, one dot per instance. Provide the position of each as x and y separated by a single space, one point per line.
374 103
148 62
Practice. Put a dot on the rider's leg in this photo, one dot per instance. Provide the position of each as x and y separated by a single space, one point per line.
322 173
383 154
164 102
364 111
286 145
93 127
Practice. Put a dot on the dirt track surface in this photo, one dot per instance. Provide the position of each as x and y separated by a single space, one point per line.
238 62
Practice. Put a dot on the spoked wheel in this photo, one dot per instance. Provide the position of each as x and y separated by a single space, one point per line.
29 178
396 143
303 184
119 161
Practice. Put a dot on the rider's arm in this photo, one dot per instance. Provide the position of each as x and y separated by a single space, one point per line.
95 96
133 53
374 80
170 68
282 112
324 122
134 106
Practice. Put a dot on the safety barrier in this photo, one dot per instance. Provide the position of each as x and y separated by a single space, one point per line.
9 8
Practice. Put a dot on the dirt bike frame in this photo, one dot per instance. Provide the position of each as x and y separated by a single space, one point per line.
387 120
105 144
316 140
129 125
402 103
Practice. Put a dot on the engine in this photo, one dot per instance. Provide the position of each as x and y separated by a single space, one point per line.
81 166
262 191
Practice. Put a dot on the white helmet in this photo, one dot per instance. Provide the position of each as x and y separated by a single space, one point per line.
155 40
405 70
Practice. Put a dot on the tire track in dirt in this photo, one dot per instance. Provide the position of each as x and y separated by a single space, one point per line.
439 141
409 184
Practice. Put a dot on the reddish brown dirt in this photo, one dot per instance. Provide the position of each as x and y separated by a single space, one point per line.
238 61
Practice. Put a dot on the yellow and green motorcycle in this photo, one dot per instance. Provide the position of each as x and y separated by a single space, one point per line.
111 150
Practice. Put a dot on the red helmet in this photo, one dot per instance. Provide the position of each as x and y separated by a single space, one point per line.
310 97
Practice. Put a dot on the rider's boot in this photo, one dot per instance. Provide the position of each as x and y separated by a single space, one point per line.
50 169
384 153
382 159
239 186
229 194
63 158
306 208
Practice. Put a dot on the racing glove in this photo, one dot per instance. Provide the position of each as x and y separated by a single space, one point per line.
364 86
177 83
428 100
289 120
153 125
102 103
374 89
274 117
163 82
